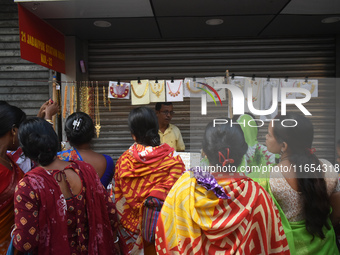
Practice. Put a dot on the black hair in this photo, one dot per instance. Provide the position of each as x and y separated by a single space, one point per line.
222 137
158 105
79 128
312 185
38 140
10 116
143 124
338 143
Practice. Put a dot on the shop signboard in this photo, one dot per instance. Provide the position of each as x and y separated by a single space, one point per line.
40 43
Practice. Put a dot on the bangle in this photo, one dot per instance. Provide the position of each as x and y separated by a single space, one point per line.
49 121
116 240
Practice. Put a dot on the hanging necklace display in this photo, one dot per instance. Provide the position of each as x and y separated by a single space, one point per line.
75 96
140 92
174 91
212 81
311 85
72 99
267 96
104 96
191 87
92 100
97 114
285 83
109 102
86 99
65 102
157 91
119 91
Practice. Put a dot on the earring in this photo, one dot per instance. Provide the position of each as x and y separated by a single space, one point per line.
281 152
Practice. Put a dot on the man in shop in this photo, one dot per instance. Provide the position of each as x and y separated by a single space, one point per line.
168 133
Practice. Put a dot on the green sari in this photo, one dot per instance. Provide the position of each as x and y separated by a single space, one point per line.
299 239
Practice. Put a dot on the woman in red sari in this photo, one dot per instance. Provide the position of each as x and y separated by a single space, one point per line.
10 118
60 207
144 175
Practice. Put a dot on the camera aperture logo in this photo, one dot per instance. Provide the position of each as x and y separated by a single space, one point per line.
238 99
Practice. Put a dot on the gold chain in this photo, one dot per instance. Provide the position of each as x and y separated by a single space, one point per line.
72 99
157 93
65 102
104 96
145 90
97 114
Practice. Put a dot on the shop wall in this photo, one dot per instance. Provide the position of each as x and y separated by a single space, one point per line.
296 57
22 83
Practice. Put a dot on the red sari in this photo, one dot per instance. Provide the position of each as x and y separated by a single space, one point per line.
8 180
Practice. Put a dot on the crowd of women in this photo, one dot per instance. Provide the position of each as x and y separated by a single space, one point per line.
61 205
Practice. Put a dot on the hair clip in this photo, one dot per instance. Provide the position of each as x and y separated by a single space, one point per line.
76 124
225 160
311 150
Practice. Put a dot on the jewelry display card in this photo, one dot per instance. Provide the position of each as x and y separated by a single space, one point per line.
119 91
287 84
174 90
256 85
212 81
311 85
191 87
140 92
239 82
267 96
157 91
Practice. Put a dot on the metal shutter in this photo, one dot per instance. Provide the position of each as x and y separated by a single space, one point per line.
22 83
278 57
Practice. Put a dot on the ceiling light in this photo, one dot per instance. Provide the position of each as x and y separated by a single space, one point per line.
331 20
102 23
214 22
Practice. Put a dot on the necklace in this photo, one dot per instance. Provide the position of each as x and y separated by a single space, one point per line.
157 93
121 90
306 86
145 90
72 100
194 91
104 96
254 98
177 92
65 102
97 115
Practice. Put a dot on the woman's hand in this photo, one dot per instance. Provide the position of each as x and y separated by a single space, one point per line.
51 109
41 113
